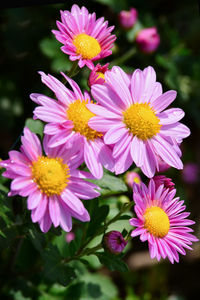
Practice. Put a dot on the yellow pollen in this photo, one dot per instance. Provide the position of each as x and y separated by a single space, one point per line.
100 75
86 45
136 180
78 113
50 174
156 221
141 121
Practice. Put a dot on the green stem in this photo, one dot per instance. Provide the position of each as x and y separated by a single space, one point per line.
74 70
123 58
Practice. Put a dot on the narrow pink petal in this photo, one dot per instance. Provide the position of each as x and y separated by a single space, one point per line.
38 213
20 183
123 162
115 133
137 231
54 210
171 116
163 101
34 199
166 152
101 124
72 201
103 112
122 144
104 154
92 161
82 189
65 217
177 130
137 86
149 160
45 222
137 151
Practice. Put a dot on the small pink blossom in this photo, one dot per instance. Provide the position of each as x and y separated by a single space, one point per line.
131 178
148 39
70 236
97 75
127 19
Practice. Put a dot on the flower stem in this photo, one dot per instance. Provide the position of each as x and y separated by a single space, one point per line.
122 59
74 70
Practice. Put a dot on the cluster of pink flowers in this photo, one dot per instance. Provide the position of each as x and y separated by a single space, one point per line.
147 39
123 121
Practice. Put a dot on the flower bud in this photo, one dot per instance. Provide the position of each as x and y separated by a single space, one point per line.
70 236
97 75
114 242
128 18
148 39
161 179
132 177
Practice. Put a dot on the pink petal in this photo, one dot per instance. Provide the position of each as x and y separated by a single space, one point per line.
54 210
115 133
72 201
137 151
91 160
163 101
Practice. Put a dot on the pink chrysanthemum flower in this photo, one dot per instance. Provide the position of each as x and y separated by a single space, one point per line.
51 182
132 114
68 123
162 179
161 221
84 37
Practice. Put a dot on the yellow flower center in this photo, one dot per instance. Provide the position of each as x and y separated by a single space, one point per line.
100 75
156 221
78 113
50 174
141 121
136 180
86 45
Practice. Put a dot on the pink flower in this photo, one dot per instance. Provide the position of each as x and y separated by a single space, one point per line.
51 182
114 242
161 221
128 18
132 177
68 123
97 75
132 114
190 173
85 38
161 179
148 39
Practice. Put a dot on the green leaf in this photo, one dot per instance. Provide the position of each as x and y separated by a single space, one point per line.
112 262
94 290
55 269
74 291
35 126
111 183
98 215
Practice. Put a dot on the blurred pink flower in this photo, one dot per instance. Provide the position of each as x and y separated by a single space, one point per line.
132 177
70 236
148 39
190 173
85 39
52 182
161 179
161 221
132 113
114 242
97 75
128 18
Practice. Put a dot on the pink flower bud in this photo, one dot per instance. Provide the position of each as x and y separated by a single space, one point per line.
97 75
114 242
70 236
128 18
148 39
132 177
190 173
161 179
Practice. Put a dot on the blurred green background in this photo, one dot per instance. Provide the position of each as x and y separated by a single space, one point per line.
28 46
